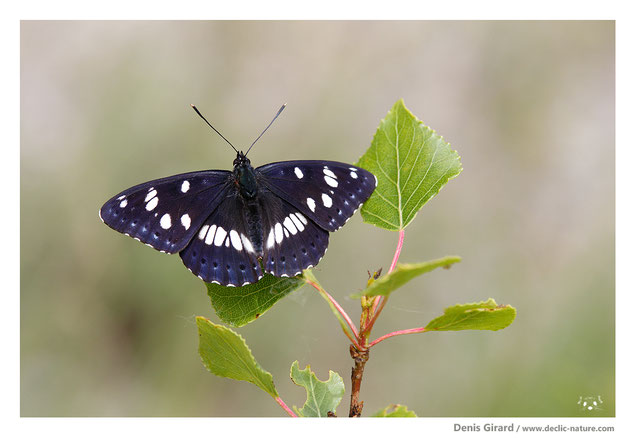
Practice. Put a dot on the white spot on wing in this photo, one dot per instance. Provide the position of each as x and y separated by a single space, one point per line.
278 231
289 225
209 238
302 218
326 200
121 197
185 221
331 181
247 244
298 172
353 175
166 221
311 204
220 236
270 239
151 194
123 203
328 172
185 186
202 231
299 225
236 240
152 203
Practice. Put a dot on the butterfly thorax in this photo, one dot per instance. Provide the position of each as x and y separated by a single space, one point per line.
245 176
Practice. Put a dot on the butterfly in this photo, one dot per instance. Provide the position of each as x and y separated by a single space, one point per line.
231 227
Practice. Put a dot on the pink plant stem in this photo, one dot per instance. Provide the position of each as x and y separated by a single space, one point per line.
284 406
398 250
341 311
381 300
399 332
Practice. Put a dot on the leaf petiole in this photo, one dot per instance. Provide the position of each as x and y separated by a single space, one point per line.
397 333
285 407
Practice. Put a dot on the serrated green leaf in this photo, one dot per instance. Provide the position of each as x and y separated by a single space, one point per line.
411 162
238 306
225 353
395 411
403 273
486 315
322 397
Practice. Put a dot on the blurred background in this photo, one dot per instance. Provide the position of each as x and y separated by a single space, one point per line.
107 324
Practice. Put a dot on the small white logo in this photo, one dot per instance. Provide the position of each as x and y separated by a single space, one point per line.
590 403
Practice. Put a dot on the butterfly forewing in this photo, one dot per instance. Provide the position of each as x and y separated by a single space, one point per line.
327 192
166 213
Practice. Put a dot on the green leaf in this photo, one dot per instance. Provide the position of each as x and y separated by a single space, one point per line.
395 411
322 397
486 315
411 162
403 273
238 306
225 353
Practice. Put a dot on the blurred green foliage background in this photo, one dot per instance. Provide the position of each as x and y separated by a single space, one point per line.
107 324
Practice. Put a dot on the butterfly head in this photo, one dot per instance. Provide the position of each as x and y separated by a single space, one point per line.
241 160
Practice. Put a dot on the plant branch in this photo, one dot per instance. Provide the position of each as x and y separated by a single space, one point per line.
285 407
360 351
360 359
397 333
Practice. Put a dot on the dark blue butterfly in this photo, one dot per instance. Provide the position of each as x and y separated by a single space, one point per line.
224 224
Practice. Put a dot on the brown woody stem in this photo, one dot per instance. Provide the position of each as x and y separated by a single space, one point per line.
360 351
360 359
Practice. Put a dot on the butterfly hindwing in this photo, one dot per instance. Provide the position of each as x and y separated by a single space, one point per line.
166 213
327 192
291 241
221 251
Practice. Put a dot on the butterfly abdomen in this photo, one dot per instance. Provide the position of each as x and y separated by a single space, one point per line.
254 225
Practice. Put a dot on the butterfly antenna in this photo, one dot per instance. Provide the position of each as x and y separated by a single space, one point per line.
270 124
215 130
